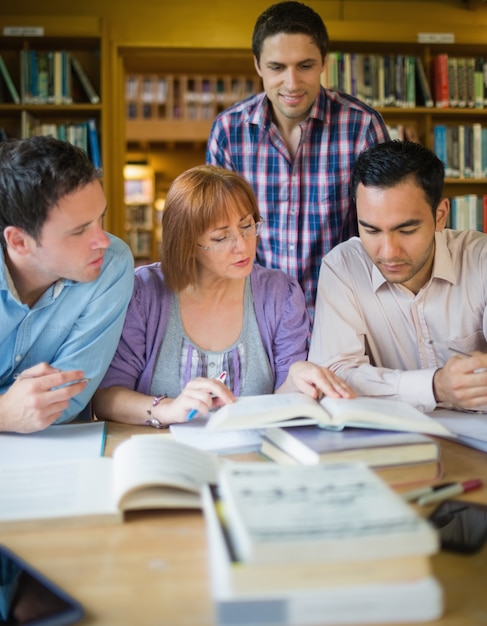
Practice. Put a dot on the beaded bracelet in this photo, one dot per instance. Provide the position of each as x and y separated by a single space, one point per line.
153 421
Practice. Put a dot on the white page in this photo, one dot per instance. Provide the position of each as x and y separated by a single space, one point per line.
58 489
470 428
196 434
57 443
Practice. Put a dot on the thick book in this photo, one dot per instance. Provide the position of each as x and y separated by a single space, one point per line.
323 591
441 89
145 472
337 512
311 445
248 577
333 413
396 476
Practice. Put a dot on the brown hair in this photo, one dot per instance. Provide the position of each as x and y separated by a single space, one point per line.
196 201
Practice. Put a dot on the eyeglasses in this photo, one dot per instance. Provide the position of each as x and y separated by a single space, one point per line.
226 243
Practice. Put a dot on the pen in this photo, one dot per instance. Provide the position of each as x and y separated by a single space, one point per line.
414 494
480 370
193 413
451 490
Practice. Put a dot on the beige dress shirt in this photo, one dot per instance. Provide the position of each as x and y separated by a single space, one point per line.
384 340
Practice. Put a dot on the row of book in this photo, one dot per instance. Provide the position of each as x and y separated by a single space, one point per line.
462 148
468 211
46 77
192 97
83 134
459 81
379 80
395 80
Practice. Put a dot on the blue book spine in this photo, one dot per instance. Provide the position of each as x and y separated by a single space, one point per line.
94 145
440 143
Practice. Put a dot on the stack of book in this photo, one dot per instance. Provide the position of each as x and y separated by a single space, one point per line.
401 459
326 544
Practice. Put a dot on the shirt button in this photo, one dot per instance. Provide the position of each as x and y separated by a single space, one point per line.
18 358
292 247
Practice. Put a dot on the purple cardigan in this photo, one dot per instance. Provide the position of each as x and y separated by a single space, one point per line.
280 309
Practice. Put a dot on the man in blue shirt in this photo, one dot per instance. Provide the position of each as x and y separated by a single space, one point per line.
65 283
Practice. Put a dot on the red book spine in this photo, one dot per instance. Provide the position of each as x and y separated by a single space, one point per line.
440 81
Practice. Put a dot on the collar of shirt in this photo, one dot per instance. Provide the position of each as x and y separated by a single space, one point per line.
442 264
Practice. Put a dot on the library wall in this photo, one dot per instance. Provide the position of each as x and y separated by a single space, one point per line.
219 23
190 36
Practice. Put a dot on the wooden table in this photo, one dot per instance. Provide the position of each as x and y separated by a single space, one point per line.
152 570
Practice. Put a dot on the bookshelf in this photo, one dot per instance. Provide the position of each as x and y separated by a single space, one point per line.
57 67
171 97
175 142
140 229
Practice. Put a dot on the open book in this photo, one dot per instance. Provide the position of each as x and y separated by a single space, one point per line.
286 409
146 472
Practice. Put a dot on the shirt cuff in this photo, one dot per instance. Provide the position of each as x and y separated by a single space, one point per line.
416 388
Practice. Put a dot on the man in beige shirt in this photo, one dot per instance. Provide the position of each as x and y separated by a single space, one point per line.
401 310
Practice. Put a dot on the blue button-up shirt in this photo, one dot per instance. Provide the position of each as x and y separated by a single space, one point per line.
73 325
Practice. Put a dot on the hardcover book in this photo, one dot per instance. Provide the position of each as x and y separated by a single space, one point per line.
311 445
337 512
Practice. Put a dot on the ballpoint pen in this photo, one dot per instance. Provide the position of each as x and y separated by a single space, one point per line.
449 491
192 414
480 370
414 494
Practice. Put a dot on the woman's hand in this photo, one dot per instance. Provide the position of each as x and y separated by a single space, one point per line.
315 381
200 395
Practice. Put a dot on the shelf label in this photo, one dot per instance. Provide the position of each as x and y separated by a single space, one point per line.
23 31
436 38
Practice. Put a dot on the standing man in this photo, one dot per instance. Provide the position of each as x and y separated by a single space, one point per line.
296 144
65 283
401 312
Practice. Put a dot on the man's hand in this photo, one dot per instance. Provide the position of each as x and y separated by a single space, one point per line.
462 382
33 401
315 381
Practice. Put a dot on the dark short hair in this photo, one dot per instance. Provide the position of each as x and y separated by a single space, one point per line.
290 18
196 201
389 163
35 173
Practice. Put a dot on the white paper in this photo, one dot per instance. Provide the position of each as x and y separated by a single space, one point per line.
61 442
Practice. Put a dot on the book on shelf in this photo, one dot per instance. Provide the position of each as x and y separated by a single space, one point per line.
423 91
338 583
93 143
441 88
90 91
333 413
12 89
145 472
342 511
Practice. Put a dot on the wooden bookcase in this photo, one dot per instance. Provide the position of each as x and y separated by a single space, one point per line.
84 38
164 138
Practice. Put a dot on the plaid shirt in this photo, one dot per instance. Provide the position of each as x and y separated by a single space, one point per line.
304 201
